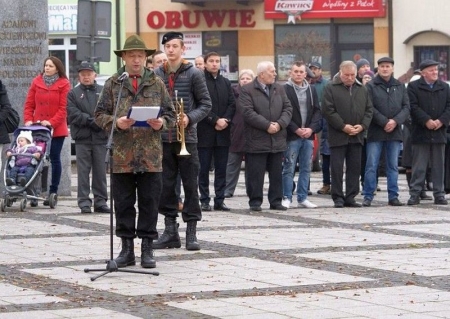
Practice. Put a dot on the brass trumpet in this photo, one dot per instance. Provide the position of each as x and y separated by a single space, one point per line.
179 109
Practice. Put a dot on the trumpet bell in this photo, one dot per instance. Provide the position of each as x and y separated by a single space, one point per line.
184 152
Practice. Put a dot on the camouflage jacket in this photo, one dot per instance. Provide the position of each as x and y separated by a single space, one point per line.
138 149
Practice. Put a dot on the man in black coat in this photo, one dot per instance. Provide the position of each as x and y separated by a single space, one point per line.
90 140
214 134
390 110
430 115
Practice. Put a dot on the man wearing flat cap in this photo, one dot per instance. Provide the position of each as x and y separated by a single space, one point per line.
89 139
430 116
137 153
390 110
187 84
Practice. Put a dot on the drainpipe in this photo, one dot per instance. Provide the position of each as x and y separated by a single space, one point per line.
118 37
390 29
138 29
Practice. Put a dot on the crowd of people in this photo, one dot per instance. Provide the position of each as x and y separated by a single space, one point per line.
205 121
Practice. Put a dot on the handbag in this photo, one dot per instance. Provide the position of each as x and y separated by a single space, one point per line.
12 120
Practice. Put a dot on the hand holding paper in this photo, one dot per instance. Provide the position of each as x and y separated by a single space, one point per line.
143 114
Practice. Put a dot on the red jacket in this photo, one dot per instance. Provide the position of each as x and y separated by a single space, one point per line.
48 103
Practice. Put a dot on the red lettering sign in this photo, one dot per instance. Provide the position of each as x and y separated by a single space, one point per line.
192 19
316 9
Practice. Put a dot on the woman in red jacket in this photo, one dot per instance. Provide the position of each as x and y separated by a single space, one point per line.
46 103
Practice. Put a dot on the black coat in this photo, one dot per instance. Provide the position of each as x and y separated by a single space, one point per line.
341 106
5 105
191 87
223 106
429 103
259 111
314 117
81 103
388 103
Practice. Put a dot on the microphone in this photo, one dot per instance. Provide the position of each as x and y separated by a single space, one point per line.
123 77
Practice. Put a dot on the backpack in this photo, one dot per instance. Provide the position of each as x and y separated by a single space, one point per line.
12 121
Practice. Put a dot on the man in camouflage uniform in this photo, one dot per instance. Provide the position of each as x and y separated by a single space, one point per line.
137 154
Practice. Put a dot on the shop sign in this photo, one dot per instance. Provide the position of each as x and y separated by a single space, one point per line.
62 18
191 19
293 10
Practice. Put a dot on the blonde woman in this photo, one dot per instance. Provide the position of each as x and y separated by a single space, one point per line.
237 147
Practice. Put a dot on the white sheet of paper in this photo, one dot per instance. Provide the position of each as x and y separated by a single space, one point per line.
143 113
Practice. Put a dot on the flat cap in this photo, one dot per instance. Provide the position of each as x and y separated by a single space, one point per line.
315 65
170 36
426 63
86 66
385 59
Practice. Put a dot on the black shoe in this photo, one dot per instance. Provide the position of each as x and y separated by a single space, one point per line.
10 182
367 202
46 202
440 201
414 200
278 207
425 196
86 210
34 203
309 193
126 256
228 195
170 237
255 208
352 204
338 204
102 209
22 181
221 207
395 202
206 207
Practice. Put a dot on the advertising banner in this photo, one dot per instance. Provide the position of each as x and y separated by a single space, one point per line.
293 10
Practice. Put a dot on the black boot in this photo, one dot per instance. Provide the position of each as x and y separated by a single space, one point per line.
147 260
170 237
126 256
191 236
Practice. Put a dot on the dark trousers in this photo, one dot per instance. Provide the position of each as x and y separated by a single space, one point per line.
205 155
91 158
189 167
424 156
148 187
349 154
55 159
256 165
326 179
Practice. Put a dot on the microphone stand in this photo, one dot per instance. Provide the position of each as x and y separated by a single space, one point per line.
111 265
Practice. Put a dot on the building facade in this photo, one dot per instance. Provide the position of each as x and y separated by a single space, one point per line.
282 31
420 31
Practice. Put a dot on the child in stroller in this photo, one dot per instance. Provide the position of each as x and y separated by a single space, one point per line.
39 160
22 164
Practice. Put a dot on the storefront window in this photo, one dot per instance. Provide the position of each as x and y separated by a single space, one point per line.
326 44
225 43
307 43
437 53
65 50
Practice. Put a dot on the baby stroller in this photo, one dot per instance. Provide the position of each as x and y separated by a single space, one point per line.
30 189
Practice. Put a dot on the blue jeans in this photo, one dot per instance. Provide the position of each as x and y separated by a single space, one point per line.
373 151
55 159
301 150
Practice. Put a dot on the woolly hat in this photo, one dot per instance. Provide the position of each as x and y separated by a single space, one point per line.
25 134
361 62
369 73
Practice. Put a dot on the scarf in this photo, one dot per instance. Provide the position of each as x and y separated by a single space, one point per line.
49 80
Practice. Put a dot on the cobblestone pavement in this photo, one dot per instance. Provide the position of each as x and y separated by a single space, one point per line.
376 262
